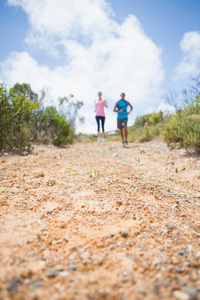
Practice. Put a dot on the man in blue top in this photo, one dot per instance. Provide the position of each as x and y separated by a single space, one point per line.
122 117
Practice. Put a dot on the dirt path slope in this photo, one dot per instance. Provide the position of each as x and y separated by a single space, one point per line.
100 222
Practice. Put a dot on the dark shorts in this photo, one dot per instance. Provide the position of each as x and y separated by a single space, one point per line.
121 123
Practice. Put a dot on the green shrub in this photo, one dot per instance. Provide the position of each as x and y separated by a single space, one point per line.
53 127
17 114
140 121
155 118
146 136
22 121
184 127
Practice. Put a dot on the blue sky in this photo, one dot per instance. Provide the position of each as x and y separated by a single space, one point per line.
142 47
165 22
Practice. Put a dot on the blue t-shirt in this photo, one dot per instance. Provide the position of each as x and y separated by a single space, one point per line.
122 105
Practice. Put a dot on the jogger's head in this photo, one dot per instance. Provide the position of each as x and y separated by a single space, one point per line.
99 94
123 96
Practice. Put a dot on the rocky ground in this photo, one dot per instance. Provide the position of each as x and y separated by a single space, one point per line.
100 222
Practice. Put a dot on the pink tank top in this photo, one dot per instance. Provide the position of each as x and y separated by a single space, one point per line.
100 108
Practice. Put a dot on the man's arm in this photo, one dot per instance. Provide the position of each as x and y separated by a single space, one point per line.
115 109
130 107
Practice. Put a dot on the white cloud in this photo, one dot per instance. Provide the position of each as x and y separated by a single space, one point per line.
100 55
190 64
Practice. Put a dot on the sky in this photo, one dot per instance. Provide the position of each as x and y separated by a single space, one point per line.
140 47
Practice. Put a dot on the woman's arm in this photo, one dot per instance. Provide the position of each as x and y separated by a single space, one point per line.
105 103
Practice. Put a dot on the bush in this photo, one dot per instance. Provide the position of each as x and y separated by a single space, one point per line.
141 121
22 121
16 120
184 127
53 127
156 118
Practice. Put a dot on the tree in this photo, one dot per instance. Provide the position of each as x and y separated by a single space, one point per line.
193 91
172 98
25 89
70 109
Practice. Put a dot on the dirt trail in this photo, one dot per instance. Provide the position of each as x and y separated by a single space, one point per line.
100 222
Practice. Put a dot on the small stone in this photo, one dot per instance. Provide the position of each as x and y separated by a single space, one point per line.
119 202
170 226
66 239
175 206
197 255
51 182
127 272
37 283
175 232
51 273
63 273
124 234
58 268
191 291
13 285
72 267
85 255
181 295
179 269
26 281
74 231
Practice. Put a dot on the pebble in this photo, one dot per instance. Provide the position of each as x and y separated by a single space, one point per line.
175 206
26 281
127 272
197 255
63 273
191 291
124 234
179 269
51 273
175 232
181 295
58 268
37 283
72 267
85 255
13 285
170 226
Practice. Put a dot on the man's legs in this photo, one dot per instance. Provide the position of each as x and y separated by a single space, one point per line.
122 135
126 133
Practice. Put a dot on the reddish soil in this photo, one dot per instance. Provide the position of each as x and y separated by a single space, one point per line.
100 222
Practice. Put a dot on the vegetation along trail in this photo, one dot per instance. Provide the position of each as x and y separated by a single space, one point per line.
100 222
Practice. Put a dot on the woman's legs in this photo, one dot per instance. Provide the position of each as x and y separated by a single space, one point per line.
98 128
103 131
102 119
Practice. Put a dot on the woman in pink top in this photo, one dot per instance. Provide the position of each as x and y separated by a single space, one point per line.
100 116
